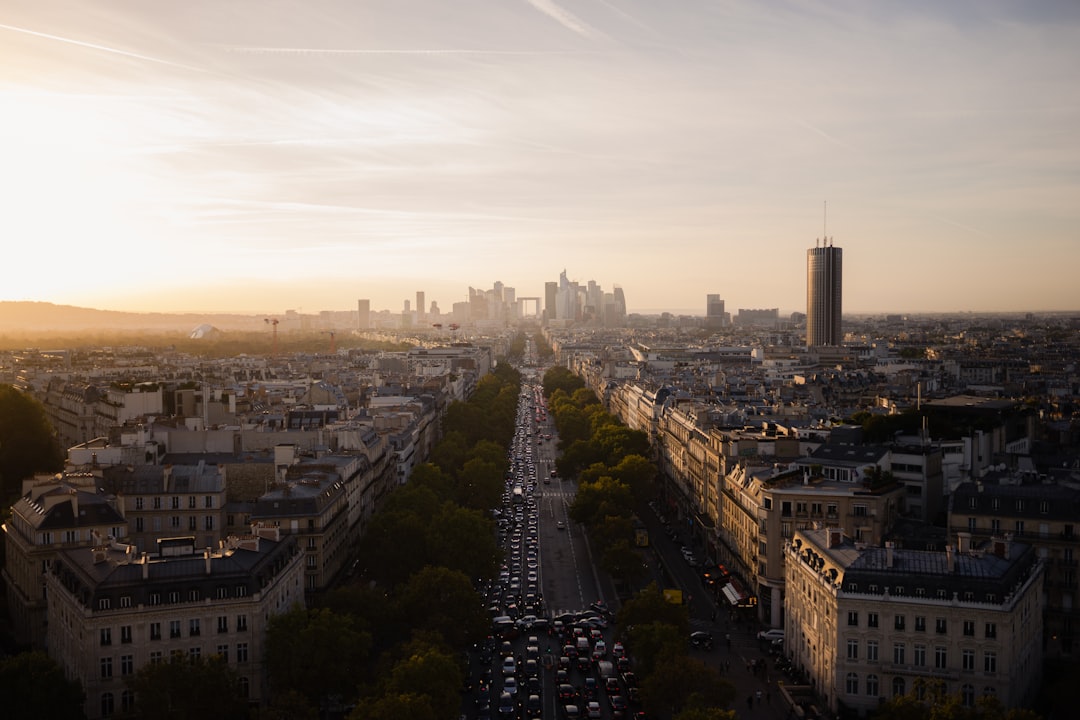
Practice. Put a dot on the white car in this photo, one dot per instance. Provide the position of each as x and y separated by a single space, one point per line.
509 665
770 635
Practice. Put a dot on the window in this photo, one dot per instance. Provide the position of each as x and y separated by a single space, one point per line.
106 636
852 684
852 649
191 502
920 656
989 691
174 596
108 705
138 524
853 618
898 653
125 633
991 630
157 523
941 626
967 695
995 526
872 650
967 660
873 588
223 624
241 622
241 590
968 597
106 667
127 665
192 523
941 658
241 652
195 653
222 592
176 503
157 503
125 601
767 503
898 622
785 508
871 619
973 502
872 685
174 521
920 623
193 628
155 656
990 662
208 522
194 595
245 687
208 501
127 701
830 510
138 503
972 527
859 510
104 603
1019 527
155 631
174 628
898 686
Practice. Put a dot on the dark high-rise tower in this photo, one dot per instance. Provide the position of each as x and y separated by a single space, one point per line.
824 284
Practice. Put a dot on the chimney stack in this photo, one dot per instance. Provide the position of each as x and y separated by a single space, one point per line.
963 542
889 546
950 558
206 558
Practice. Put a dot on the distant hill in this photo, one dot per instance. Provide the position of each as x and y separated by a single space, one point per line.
22 318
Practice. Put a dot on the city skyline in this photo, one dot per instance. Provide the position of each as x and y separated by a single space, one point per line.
214 158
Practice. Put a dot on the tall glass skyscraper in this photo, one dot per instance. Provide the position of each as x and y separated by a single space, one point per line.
824 283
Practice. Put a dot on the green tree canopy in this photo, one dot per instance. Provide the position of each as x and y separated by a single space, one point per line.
33 686
592 503
317 653
623 562
442 600
678 681
188 688
28 442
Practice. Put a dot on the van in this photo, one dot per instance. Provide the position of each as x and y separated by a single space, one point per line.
583 645
606 669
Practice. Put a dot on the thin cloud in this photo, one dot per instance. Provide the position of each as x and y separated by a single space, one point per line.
103 48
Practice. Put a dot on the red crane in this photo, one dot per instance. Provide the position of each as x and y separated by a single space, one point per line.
274 322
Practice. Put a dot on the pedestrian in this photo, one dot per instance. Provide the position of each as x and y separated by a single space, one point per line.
758 696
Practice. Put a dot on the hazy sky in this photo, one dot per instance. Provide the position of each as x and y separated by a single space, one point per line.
259 155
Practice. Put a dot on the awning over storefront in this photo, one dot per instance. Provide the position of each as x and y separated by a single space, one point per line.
731 594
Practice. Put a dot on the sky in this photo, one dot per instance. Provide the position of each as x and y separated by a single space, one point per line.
264 155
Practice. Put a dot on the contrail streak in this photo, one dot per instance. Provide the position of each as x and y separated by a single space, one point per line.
563 17
346 51
103 48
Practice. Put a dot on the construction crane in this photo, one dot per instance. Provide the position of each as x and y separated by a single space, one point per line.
274 322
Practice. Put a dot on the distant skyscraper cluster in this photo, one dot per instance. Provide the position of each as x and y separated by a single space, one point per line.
824 283
567 301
